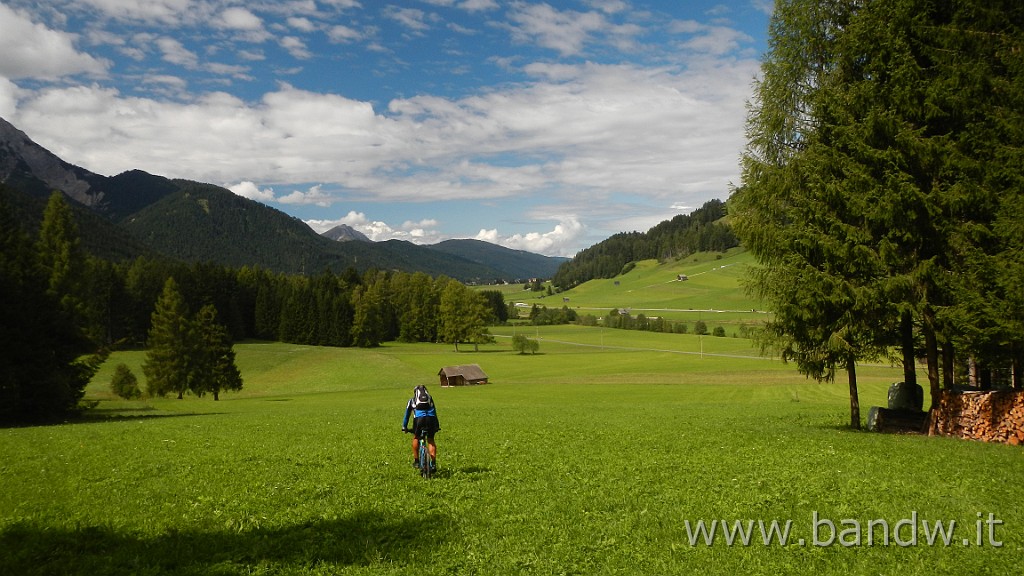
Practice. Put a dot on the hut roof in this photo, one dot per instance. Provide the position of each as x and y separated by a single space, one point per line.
470 372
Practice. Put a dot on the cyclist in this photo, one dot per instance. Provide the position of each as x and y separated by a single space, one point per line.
422 406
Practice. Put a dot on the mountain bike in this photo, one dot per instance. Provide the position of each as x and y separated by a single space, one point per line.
426 469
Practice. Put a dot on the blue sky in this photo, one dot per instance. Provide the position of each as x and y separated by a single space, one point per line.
541 126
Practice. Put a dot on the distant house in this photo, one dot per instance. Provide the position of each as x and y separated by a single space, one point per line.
462 375
682 277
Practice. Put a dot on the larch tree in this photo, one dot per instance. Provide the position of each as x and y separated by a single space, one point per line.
817 274
462 315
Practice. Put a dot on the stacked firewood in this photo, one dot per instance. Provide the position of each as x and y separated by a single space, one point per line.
989 416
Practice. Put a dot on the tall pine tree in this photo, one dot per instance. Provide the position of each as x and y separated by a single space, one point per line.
214 370
171 354
45 359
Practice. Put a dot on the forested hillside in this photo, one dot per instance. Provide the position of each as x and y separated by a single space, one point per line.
137 214
703 230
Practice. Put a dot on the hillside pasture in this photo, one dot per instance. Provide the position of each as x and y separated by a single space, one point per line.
581 459
712 292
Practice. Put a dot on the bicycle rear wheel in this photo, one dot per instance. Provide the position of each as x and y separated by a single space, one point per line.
425 470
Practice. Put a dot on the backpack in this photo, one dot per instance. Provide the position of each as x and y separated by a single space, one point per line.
421 399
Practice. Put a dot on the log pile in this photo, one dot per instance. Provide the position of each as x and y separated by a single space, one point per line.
988 416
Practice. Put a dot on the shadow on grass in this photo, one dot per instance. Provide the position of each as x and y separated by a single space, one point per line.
105 415
99 415
361 540
467 473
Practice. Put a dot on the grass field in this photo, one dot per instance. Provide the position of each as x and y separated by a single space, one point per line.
591 457
712 293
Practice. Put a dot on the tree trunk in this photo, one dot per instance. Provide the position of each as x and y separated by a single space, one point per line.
216 395
932 353
1015 374
984 376
851 371
947 365
907 345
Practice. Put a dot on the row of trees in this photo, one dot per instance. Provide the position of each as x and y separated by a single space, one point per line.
882 185
626 321
116 302
65 309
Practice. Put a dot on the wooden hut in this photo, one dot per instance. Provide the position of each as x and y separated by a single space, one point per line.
462 375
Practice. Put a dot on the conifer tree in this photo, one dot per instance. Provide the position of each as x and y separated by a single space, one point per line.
876 176
171 348
46 361
60 255
214 370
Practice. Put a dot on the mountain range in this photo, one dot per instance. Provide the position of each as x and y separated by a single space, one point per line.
136 213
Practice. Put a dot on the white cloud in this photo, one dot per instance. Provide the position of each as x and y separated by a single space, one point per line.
251 191
412 18
488 235
715 40
354 219
566 32
342 34
422 232
31 50
296 47
162 11
426 223
343 4
587 129
176 53
315 195
608 6
478 5
302 24
559 241
765 6
8 98
236 18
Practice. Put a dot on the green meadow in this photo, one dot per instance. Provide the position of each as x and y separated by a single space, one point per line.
606 452
712 292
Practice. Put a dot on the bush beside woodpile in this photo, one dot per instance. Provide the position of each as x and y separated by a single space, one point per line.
989 416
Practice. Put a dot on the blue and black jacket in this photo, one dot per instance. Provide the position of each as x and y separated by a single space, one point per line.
418 410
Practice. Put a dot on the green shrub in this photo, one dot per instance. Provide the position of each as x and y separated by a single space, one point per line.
124 383
700 328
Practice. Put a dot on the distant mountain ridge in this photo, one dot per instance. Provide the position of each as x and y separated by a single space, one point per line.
136 213
345 233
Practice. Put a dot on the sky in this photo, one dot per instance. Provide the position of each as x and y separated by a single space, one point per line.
539 126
